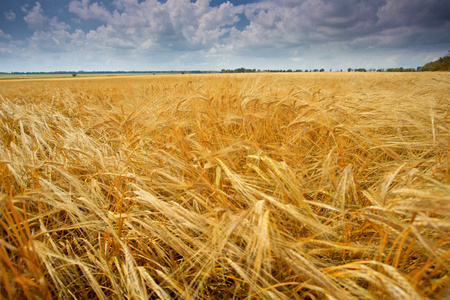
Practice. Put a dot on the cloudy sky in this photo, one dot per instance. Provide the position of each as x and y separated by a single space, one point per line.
73 35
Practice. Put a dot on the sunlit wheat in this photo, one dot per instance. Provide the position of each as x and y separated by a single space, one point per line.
264 186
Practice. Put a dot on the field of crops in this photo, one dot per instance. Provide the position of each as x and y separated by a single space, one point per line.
226 186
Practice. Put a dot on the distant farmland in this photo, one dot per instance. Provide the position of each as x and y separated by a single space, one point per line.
226 186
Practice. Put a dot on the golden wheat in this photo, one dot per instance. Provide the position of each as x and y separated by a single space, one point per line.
226 186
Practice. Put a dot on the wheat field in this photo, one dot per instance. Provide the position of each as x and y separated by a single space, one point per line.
226 186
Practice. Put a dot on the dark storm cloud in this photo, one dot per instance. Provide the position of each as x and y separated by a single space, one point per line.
322 21
428 14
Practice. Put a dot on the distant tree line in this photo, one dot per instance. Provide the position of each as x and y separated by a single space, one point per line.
110 72
441 64
245 70
401 70
240 70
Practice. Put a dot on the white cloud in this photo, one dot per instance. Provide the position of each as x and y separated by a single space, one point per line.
35 18
215 23
4 35
107 37
49 34
85 10
10 15
176 24
185 25
55 25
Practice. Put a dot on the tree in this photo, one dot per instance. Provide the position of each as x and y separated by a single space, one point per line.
441 64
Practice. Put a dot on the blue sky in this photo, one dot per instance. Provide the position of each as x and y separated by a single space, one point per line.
90 35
